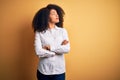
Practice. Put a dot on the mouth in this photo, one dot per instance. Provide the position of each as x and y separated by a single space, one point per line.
57 18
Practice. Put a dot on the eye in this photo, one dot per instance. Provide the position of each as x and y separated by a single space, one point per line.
53 12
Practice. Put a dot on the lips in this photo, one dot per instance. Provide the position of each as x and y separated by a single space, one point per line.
57 18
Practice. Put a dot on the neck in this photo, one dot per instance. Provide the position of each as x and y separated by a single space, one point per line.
51 25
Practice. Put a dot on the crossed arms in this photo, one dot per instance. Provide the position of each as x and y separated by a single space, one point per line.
50 51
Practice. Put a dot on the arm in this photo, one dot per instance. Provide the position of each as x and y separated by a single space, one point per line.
38 47
64 47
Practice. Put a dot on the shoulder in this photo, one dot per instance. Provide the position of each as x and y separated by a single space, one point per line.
40 33
37 32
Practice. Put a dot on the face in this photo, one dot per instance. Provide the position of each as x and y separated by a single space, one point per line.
53 16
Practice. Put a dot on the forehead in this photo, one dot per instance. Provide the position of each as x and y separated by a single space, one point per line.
53 11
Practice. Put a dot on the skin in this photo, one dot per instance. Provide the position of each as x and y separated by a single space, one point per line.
53 19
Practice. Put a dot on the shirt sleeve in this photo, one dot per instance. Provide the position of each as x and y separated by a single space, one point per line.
38 47
61 49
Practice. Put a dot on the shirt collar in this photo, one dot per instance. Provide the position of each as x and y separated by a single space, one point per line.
55 28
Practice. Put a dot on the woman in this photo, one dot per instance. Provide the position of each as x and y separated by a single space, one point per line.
51 42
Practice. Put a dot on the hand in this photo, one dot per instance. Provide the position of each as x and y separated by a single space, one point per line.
64 42
47 47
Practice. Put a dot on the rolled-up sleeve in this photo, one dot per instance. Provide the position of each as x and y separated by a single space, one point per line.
38 47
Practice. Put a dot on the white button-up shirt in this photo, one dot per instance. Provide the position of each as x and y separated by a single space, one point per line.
51 62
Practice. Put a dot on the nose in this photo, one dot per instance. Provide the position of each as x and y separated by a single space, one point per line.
57 15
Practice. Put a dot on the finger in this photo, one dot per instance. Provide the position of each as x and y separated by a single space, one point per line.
66 42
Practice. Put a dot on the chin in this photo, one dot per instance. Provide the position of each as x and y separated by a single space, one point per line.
57 21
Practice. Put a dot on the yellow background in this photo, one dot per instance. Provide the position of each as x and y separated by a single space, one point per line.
94 31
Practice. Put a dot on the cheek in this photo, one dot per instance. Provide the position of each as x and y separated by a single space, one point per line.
51 17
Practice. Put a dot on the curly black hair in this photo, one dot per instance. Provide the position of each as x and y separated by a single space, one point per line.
40 20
